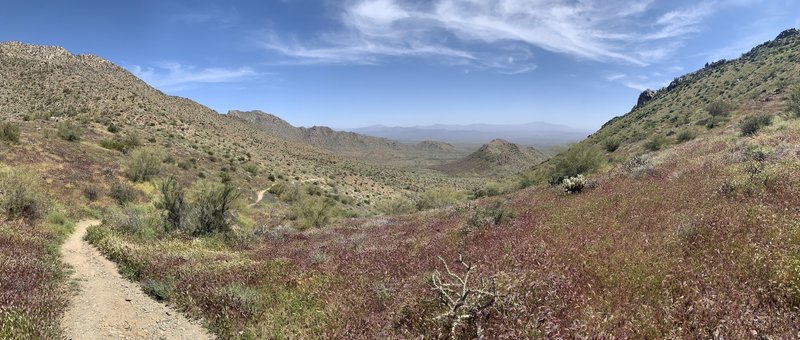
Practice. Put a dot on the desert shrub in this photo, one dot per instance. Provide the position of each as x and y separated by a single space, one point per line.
494 213
751 125
638 165
113 128
124 144
173 203
20 195
9 132
69 132
655 143
144 164
579 159
685 136
612 144
162 290
719 109
794 101
92 192
136 220
397 206
315 211
464 302
440 198
122 192
287 192
212 207
574 185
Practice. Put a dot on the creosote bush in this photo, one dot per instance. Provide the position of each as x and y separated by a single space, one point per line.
9 132
751 125
574 185
212 207
20 195
69 131
144 164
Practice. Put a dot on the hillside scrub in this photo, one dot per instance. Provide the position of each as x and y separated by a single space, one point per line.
315 212
122 192
577 160
173 202
9 132
439 198
719 108
21 195
397 206
794 101
69 131
212 207
751 125
685 136
144 164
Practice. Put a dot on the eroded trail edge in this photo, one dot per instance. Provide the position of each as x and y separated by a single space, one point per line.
110 307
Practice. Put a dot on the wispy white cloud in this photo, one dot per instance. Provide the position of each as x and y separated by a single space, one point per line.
173 76
487 33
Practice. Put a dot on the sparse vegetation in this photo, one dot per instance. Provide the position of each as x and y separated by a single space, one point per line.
685 136
655 143
494 214
397 206
173 203
794 101
122 192
719 108
441 198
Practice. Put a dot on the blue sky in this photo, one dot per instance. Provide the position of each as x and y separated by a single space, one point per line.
351 63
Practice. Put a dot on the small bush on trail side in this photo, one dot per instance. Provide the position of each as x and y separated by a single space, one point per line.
20 195
9 132
122 193
751 125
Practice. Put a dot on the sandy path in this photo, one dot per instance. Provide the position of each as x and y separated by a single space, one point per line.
110 307
259 198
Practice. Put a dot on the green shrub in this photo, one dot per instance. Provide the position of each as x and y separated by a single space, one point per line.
144 164
136 220
161 290
794 101
612 144
113 128
69 132
751 125
287 192
686 135
579 159
655 143
440 198
315 211
122 192
123 144
212 207
9 132
92 192
494 213
173 202
397 206
719 109
20 195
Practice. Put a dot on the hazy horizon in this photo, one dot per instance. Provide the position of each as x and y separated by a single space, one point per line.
402 63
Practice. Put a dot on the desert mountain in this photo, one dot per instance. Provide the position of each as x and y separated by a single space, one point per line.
543 135
497 157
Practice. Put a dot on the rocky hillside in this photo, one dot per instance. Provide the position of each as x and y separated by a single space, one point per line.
497 157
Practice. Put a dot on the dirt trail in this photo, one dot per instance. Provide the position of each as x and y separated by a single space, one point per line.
260 196
110 307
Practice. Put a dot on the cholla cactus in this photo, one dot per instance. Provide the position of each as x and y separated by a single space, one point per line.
575 184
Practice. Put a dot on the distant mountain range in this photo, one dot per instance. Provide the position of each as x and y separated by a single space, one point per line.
537 134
